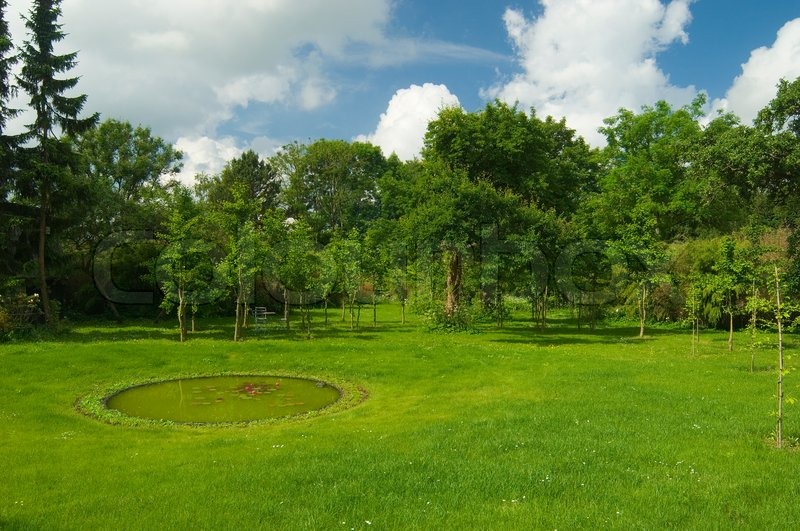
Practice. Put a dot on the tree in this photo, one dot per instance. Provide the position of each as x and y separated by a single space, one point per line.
49 159
242 201
297 268
728 280
649 158
343 255
184 267
543 162
7 91
332 185
255 178
779 123
644 256
124 169
244 259
448 222
8 143
128 165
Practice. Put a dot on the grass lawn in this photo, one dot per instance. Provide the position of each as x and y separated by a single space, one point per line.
507 429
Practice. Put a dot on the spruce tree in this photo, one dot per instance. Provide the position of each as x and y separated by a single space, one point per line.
8 59
48 156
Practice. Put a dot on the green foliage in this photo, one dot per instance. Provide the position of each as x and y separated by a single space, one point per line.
248 181
332 184
540 161
184 268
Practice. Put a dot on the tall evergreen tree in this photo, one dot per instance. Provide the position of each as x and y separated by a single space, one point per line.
7 90
48 156
7 61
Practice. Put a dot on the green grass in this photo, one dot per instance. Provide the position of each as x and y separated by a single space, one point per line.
513 428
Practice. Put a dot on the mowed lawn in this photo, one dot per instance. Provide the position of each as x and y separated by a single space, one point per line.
505 429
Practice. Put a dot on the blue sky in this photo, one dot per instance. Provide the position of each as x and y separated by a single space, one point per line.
216 77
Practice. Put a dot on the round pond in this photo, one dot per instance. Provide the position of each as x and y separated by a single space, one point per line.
224 399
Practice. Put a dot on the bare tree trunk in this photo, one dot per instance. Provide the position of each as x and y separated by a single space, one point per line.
544 306
45 295
779 320
403 311
753 323
181 316
117 316
642 308
237 329
730 333
453 283
286 307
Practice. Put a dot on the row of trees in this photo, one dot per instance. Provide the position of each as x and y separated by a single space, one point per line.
678 217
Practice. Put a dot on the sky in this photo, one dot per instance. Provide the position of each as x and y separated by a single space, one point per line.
217 77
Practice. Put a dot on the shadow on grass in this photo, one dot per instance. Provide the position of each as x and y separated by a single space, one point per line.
218 330
565 332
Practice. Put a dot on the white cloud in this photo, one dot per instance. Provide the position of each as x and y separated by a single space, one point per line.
210 155
402 127
184 66
205 155
755 87
189 68
174 41
584 59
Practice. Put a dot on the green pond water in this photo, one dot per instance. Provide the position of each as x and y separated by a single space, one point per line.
224 399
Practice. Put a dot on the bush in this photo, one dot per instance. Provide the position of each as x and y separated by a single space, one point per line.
17 313
432 313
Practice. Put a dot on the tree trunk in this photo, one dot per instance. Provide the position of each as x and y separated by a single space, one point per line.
326 311
237 329
403 311
45 295
374 310
454 269
753 323
642 308
730 333
779 320
286 308
181 316
543 312
117 316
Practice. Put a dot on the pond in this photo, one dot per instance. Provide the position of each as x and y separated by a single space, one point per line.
224 399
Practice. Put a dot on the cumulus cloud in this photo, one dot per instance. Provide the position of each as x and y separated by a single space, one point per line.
584 59
754 88
184 67
401 129
188 67
188 64
204 155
